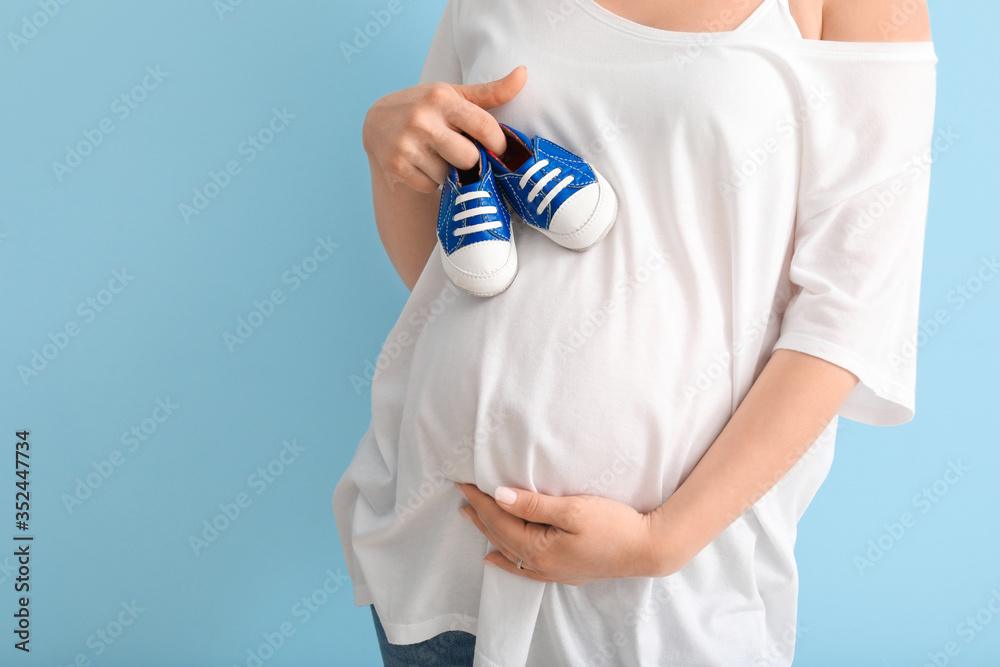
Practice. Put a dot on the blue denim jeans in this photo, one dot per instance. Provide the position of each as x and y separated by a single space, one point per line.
453 648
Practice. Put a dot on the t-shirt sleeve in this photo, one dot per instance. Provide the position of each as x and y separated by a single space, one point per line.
442 62
859 230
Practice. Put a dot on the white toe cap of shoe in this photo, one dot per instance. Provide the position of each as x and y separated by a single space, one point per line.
576 211
484 268
586 217
481 259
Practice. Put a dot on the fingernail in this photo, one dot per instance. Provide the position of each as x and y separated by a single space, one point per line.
461 490
467 514
505 496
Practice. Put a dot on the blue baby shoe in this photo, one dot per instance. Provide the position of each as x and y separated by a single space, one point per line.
477 248
555 191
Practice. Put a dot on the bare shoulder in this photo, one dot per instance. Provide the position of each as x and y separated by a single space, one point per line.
863 20
809 15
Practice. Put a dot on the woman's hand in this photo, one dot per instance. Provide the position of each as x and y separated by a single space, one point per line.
412 135
569 540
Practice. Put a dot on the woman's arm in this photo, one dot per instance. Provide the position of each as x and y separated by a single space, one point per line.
406 221
793 399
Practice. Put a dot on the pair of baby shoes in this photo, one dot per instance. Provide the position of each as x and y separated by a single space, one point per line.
545 185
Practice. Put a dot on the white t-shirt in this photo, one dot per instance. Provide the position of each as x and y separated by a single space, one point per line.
772 194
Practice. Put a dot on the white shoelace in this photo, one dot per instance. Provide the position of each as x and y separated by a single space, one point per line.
479 210
541 184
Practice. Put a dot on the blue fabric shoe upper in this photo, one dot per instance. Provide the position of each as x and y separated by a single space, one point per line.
446 225
558 157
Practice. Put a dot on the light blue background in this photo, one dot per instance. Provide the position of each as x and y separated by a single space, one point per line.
162 338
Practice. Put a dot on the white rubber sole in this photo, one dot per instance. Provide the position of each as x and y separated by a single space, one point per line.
482 284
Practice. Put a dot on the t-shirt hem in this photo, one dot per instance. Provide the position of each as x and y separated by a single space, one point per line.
413 633
362 597
877 401
488 662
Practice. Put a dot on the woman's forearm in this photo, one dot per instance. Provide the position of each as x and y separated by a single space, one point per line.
793 399
407 224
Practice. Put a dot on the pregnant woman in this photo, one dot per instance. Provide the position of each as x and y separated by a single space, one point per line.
605 464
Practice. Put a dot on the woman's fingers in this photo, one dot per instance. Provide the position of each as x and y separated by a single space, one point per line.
409 176
496 539
478 124
430 169
505 564
417 133
495 93
449 147
473 118
421 182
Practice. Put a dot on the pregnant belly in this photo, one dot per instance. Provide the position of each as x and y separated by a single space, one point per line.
521 394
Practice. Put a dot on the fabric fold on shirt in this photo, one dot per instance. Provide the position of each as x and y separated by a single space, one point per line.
504 635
